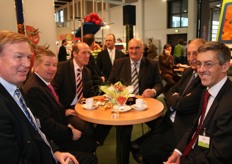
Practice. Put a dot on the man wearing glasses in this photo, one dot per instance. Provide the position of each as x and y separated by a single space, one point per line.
208 140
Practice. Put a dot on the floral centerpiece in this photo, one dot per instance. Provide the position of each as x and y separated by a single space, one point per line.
117 92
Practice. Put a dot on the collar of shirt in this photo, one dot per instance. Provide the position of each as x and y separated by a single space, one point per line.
76 67
113 50
213 93
42 79
132 64
8 86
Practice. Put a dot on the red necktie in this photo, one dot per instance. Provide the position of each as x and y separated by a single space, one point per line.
53 93
204 105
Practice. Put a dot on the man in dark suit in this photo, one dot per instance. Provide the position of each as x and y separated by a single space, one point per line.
62 55
47 108
21 140
65 82
106 57
149 84
183 101
208 140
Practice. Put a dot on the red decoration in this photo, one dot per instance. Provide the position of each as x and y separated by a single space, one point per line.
94 18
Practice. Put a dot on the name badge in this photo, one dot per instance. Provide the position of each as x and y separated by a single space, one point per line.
203 141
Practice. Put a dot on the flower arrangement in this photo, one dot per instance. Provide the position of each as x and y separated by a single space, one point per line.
117 92
94 18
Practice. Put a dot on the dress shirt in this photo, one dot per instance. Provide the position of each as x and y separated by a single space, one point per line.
112 54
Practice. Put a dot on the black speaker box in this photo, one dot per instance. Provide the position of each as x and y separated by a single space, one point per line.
129 15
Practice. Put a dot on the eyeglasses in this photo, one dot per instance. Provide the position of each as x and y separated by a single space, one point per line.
206 65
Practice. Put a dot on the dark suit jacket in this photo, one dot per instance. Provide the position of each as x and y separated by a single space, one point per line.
62 55
149 76
104 62
185 104
218 126
64 83
19 142
95 72
51 114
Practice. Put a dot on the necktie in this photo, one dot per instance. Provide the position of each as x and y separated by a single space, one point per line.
25 109
135 79
79 84
30 117
189 82
53 93
192 141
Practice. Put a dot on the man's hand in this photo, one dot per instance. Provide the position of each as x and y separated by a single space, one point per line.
149 93
65 158
76 133
173 159
70 112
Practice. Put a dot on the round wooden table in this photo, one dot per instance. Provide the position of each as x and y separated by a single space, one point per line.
99 116
130 117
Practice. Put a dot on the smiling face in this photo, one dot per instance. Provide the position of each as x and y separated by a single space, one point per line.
15 62
211 76
47 67
192 52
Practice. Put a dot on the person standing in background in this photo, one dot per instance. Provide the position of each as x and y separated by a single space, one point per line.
62 55
106 57
152 50
179 52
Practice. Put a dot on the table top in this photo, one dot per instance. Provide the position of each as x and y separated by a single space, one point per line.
99 116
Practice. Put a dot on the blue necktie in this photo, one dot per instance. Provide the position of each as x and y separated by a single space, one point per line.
25 109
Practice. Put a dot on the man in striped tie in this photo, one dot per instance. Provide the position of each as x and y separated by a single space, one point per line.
141 72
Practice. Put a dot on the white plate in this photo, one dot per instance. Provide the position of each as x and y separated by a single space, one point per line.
126 108
136 108
86 107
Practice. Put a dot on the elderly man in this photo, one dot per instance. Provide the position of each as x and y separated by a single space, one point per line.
147 83
183 101
106 58
208 140
73 82
21 140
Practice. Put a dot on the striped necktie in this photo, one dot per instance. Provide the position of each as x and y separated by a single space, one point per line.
135 79
25 109
79 89
30 117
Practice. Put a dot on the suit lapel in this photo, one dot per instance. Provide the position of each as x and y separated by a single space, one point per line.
213 107
72 74
143 67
